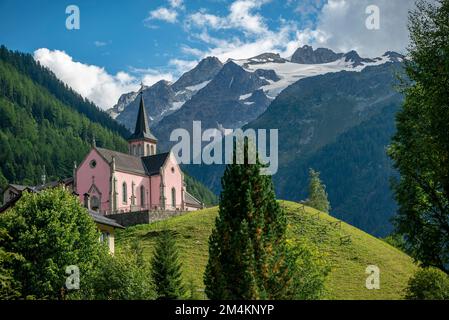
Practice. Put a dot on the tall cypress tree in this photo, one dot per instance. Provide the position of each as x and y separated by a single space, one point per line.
248 257
166 268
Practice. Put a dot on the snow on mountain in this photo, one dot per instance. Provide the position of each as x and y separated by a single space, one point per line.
290 72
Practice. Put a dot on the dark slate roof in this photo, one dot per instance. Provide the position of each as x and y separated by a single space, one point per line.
191 200
98 218
142 129
148 165
153 163
53 184
18 187
123 161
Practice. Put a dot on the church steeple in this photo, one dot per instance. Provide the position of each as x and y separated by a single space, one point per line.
142 142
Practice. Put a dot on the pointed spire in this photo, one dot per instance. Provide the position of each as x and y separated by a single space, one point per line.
142 120
142 129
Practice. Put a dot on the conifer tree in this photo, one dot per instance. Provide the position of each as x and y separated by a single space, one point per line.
420 147
166 268
248 256
317 192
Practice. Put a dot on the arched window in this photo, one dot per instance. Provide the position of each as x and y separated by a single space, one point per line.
95 203
173 197
148 150
142 196
125 192
152 150
134 150
133 196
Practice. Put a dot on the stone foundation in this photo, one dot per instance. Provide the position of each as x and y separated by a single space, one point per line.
143 217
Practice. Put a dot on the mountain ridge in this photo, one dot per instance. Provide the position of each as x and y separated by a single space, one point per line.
277 71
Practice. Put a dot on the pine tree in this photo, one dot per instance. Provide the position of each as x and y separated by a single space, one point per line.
317 192
166 268
248 257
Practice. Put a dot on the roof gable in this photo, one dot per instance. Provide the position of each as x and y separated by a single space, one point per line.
123 161
154 163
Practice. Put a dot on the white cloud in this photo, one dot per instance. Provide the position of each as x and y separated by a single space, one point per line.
182 66
241 16
192 51
336 24
163 14
93 82
176 4
341 27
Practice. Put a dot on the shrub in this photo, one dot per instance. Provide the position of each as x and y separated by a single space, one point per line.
428 284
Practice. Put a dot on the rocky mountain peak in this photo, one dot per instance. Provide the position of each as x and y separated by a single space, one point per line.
306 55
204 71
394 56
355 59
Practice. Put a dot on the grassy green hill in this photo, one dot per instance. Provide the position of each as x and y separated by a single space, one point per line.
348 261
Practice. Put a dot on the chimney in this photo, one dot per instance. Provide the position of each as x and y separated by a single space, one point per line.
87 201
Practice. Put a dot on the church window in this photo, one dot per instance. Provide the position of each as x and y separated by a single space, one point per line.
173 197
152 150
93 164
95 203
125 192
142 196
133 197
148 150
172 169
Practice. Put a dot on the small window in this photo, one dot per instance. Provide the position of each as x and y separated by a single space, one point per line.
125 192
148 150
152 150
104 238
93 163
173 197
142 196
172 169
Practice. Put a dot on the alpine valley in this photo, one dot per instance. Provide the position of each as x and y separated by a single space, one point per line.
334 111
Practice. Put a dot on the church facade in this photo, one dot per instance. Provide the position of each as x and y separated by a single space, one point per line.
112 182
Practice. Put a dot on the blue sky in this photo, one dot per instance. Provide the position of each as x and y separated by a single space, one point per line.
116 34
120 43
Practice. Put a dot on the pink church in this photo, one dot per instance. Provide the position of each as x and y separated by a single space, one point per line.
112 182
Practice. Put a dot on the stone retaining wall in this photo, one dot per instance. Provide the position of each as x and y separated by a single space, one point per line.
143 217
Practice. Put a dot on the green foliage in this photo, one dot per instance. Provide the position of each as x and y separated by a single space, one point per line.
9 287
125 276
50 230
397 241
26 64
166 267
200 191
317 193
41 123
420 148
248 255
428 284
311 272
